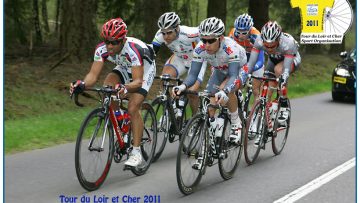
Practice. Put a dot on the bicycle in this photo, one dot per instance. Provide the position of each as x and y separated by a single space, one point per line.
263 123
244 99
169 124
198 149
95 146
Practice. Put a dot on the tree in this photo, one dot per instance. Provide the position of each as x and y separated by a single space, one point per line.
45 15
153 10
217 9
37 22
78 30
259 10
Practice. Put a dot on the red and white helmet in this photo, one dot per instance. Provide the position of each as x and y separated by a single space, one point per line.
270 31
114 29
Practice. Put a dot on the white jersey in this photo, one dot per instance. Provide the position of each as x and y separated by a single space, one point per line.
229 52
132 54
184 45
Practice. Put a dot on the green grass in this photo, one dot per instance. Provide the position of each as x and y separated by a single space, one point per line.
42 131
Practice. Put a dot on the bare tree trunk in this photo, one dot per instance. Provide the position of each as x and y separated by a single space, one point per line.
154 9
57 16
259 10
45 15
37 22
217 8
78 31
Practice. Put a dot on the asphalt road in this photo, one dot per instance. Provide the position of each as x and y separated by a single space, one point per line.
322 137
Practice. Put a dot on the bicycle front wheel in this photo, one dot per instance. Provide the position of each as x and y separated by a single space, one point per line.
229 153
163 126
94 150
148 140
280 132
191 157
254 133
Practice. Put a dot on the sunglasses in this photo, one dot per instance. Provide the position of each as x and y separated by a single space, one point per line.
168 32
210 41
238 32
114 42
270 46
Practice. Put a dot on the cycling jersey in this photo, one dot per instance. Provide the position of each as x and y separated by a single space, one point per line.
227 60
182 49
248 45
286 51
133 53
312 14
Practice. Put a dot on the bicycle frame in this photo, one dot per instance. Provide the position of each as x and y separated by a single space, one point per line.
166 97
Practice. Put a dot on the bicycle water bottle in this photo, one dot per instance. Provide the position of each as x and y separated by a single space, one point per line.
119 116
126 122
219 125
274 108
181 104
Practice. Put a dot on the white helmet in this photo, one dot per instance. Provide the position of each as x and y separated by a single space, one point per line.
270 31
168 20
212 26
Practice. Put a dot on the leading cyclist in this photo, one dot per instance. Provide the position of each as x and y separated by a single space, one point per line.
226 58
134 60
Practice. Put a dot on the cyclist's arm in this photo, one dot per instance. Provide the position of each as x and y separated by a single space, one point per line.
156 47
93 75
137 73
288 61
260 61
233 72
253 59
193 73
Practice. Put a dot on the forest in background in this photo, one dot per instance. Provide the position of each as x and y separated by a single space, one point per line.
69 29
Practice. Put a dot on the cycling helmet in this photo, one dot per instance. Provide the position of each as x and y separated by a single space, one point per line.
114 29
168 20
270 31
243 22
212 26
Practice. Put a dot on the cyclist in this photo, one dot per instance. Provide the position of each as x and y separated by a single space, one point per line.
181 40
226 58
134 60
245 34
284 59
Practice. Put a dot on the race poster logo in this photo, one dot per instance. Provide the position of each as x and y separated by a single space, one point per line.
323 21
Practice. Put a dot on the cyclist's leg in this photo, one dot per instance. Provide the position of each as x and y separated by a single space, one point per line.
257 83
117 75
215 80
194 99
135 102
170 67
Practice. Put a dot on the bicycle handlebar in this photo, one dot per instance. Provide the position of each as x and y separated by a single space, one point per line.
167 77
104 90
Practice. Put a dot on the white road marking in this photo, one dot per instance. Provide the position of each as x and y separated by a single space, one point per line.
316 183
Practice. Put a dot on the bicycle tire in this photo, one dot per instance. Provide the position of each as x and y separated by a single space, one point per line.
163 119
229 152
280 133
148 141
193 144
97 116
256 116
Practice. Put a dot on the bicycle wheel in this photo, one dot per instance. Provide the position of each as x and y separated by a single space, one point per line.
94 150
148 141
254 131
163 126
280 133
230 153
191 157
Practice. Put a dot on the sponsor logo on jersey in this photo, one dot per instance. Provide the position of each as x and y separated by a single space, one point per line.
227 50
